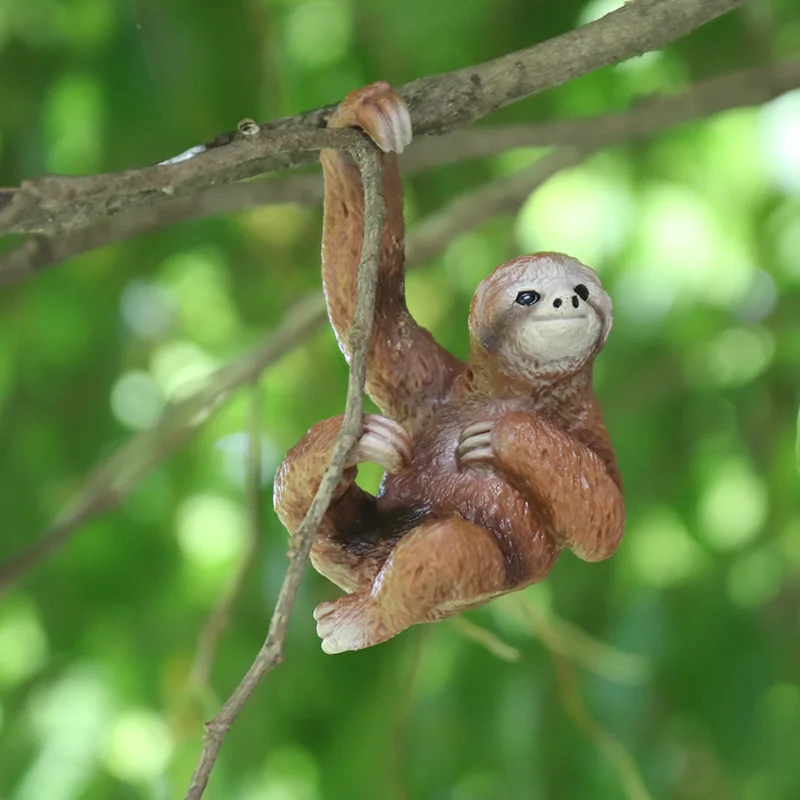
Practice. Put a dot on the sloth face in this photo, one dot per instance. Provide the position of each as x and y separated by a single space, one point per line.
541 315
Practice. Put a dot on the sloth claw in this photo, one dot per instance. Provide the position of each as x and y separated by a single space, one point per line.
383 442
380 112
475 445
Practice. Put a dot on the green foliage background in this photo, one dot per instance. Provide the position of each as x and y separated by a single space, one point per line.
696 233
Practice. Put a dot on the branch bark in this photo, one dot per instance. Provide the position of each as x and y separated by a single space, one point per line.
438 103
744 88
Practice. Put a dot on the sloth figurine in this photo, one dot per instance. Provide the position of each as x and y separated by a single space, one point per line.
492 466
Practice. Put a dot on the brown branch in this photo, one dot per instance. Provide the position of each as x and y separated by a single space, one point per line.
745 88
42 251
750 87
438 103
220 616
271 652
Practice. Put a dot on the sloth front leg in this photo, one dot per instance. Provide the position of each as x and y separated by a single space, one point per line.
439 569
574 491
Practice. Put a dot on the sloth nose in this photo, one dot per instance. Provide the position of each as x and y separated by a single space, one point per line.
573 299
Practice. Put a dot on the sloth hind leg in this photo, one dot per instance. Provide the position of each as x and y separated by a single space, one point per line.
439 569
342 551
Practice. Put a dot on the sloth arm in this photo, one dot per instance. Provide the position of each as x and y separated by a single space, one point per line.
407 370
572 478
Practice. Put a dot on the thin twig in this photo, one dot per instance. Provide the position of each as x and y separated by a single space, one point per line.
615 751
740 89
219 618
585 651
596 656
484 637
271 654
438 103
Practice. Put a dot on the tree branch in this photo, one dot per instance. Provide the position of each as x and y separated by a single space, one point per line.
271 654
745 88
438 103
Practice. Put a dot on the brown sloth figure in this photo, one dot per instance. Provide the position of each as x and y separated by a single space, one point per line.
493 466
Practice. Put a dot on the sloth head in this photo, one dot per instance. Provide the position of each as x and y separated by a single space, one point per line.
540 315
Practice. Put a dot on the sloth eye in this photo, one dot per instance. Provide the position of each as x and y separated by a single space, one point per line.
528 298
582 292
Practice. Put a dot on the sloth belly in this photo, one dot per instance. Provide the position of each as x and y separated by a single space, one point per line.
433 486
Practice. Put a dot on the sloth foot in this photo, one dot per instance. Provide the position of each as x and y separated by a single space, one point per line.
350 623
380 112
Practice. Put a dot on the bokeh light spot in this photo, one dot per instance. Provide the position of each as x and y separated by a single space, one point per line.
290 774
138 747
199 281
147 309
73 124
780 121
180 367
735 357
733 506
23 645
136 400
755 578
70 719
688 254
427 305
318 32
661 550
584 211
234 448
595 9
211 530
468 259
